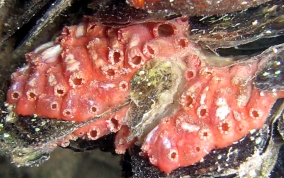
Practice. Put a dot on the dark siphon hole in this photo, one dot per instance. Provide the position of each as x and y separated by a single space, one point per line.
54 106
114 122
197 149
77 81
93 133
188 101
93 109
116 56
60 92
123 86
255 114
110 72
182 43
15 95
67 113
136 60
32 95
203 112
225 127
150 50
189 74
173 155
165 30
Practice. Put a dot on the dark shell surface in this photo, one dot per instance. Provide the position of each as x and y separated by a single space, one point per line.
239 33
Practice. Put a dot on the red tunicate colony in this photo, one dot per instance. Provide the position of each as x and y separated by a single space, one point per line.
87 71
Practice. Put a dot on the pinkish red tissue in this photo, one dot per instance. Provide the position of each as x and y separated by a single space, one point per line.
87 71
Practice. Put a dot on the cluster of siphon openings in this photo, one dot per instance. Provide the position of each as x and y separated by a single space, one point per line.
165 30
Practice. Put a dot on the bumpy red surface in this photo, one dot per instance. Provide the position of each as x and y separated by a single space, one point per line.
87 70
219 107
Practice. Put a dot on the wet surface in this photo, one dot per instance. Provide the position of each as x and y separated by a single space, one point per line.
66 163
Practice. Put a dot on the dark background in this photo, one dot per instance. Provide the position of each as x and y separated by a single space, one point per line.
66 163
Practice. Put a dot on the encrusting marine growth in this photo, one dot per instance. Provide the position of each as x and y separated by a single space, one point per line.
180 107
